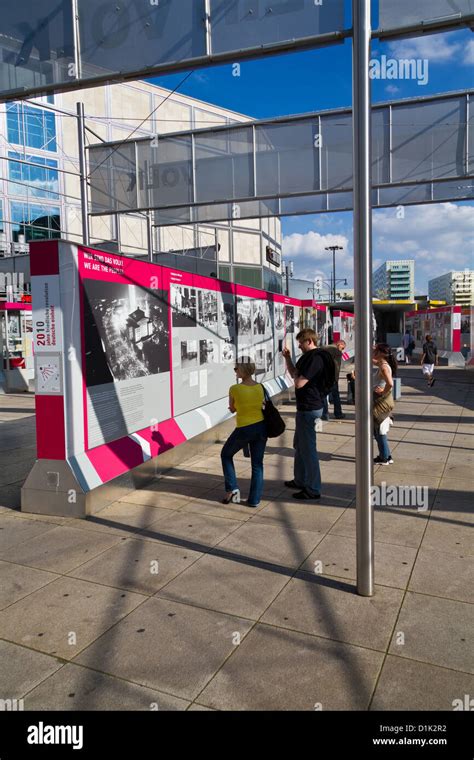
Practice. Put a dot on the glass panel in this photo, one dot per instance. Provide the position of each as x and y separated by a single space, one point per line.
113 178
35 222
336 152
380 146
241 24
287 158
165 172
39 182
129 36
36 44
224 165
427 140
394 15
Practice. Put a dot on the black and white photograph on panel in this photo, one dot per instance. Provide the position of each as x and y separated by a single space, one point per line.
126 332
183 306
259 317
207 308
278 318
227 304
290 319
260 361
244 316
207 352
269 361
189 353
227 353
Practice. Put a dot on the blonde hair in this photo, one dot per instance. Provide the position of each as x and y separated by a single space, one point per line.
246 368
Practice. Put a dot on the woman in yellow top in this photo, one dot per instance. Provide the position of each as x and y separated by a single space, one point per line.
246 399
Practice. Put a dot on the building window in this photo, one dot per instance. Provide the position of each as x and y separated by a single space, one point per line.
39 182
250 276
32 127
35 221
224 273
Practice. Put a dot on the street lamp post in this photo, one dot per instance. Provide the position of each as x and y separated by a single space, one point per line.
334 248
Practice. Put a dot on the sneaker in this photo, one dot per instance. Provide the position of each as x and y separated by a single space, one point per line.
378 460
390 460
234 497
248 504
326 419
304 495
385 462
432 382
291 484
339 416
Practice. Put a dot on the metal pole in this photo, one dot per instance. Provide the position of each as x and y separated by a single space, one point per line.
149 235
363 294
83 172
334 275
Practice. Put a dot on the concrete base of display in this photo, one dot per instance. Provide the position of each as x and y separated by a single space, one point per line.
52 488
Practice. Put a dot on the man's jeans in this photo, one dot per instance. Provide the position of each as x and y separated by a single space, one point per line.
307 470
256 438
335 398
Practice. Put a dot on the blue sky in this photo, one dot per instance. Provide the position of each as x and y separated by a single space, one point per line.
439 237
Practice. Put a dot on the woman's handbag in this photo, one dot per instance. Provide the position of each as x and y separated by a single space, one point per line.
272 417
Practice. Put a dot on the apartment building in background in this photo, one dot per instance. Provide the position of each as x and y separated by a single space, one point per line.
394 281
40 188
456 288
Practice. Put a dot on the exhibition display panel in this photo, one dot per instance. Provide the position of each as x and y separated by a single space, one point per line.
133 358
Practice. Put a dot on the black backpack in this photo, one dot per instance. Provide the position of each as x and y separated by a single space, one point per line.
329 375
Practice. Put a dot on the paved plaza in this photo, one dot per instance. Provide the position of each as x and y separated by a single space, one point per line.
169 600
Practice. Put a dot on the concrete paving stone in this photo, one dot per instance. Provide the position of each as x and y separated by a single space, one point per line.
21 669
459 471
64 611
60 549
10 497
399 475
317 517
410 685
421 455
270 543
393 564
395 527
236 587
437 631
273 669
166 646
190 530
23 454
425 423
77 688
15 531
199 708
122 518
331 608
154 497
445 575
426 438
137 565
448 538
17 581
237 512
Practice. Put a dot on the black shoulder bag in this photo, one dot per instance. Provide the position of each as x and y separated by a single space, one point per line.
273 420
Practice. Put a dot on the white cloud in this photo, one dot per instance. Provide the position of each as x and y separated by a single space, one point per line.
469 53
437 48
312 260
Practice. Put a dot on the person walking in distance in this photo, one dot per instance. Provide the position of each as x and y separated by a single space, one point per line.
406 342
383 399
308 375
246 399
336 350
429 359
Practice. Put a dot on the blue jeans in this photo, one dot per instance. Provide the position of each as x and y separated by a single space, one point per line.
307 471
382 443
256 438
334 398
